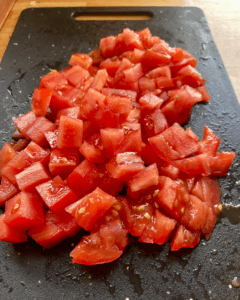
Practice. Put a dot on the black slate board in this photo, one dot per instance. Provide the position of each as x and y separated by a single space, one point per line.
43 40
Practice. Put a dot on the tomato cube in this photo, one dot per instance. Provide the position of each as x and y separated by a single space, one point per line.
144 179
124 165
158 229
83 179
63 161
6 155
37 130
53 80
48 234
70 132
31 177
7 190
24 122
11 234
41 100
184 238
76 75
24 211
81 59
56 195
111 140
91 207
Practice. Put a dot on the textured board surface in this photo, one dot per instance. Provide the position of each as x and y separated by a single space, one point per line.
44 39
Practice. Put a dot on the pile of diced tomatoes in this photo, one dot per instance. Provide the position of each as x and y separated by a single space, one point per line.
103 149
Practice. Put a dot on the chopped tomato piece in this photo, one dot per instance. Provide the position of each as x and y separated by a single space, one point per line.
90 208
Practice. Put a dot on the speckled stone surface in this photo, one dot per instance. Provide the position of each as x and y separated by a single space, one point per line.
44 39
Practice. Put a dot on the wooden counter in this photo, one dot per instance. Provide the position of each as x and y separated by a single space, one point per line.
223 17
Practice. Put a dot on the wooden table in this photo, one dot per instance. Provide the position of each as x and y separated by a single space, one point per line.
223 17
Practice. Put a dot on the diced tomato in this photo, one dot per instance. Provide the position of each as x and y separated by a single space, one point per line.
96 56
111 66
56 195
139 216
6 155
31 154
24 211
173 143
150 101
70 132
41 100
24 122
184 238
84 178
92 153
124 165
91 207
63 161
101 247
11 234
76 75
132 141
169 171
111 140
92 106
198 164
51 137
48 234
36 131
209 143
155 59
158 229
116 111
106 183
81 59
221 162
150 157
31 177
146 84
119 92
173 198
7 190
154 122
144 179
53 80
195 214
73 112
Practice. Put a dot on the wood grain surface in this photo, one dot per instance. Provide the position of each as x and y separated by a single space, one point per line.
223 17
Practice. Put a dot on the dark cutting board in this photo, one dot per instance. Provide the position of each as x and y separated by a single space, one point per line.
44 39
